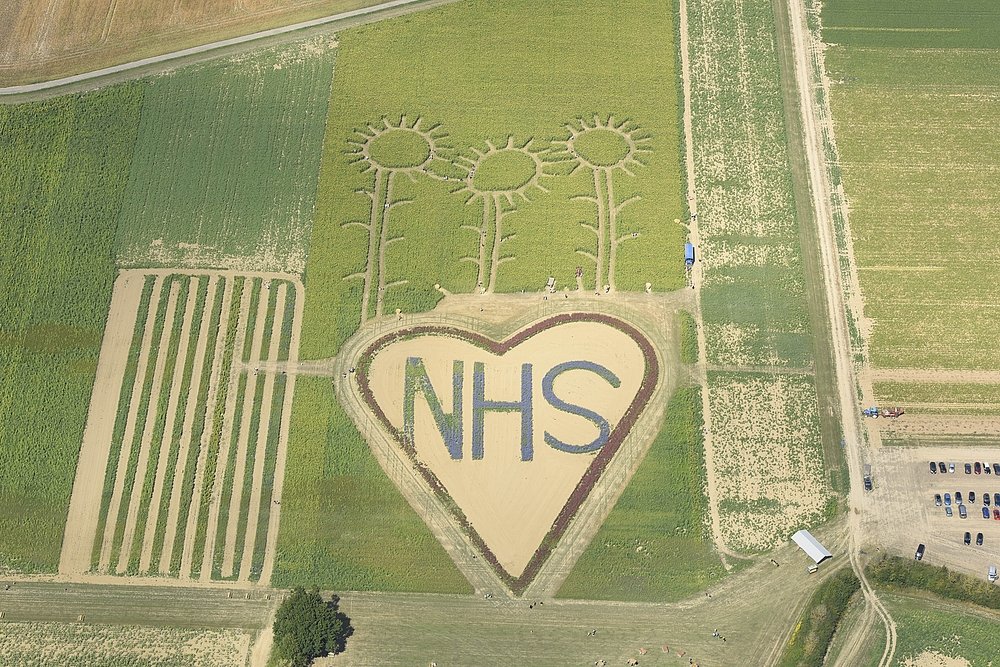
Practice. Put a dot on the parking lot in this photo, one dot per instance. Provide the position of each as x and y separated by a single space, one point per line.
899 513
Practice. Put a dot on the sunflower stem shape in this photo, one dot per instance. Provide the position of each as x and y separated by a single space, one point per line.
386 151
605 147
499 177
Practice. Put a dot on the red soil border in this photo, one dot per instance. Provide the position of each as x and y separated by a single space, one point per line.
589 478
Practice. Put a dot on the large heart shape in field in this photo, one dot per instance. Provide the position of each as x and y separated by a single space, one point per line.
512 436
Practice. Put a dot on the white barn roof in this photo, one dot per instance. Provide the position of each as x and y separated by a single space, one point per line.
811 546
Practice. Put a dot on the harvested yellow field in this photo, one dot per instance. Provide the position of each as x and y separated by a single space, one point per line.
46 39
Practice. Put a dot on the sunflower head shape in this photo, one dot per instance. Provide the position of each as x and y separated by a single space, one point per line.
605 144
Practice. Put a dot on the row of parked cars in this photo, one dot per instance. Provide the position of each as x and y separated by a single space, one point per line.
968 539
962 511
974 467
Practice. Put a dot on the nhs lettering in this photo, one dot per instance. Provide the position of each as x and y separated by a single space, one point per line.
450 425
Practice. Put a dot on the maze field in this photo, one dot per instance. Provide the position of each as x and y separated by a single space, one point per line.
183 455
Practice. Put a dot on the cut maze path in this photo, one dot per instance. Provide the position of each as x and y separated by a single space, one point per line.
155 515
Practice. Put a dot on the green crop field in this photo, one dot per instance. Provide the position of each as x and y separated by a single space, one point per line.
226 160
937 626
654 545
914 100
753 299
485 173
65 168
344 525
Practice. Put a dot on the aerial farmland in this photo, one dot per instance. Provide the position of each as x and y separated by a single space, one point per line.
459 332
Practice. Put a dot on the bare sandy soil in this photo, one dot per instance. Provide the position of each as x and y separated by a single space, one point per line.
935 659
511 502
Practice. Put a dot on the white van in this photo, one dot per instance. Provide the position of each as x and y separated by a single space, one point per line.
992 575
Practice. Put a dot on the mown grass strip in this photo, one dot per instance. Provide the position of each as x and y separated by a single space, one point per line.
217 425
159 425
128 384
178 429
142 411
197 427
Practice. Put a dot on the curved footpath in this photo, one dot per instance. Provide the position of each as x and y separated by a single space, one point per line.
205 48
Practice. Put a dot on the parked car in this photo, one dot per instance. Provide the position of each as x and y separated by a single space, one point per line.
958 497
986 468
972 496
937 500
920 554
979 539
948 512
962 513
986 512
951 468
996 499
968 468
933 468
947 499
991 574
968 538
996 468
986 499
996 514
978 467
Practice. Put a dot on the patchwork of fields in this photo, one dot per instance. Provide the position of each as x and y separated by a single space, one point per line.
192 462
149 173
915 96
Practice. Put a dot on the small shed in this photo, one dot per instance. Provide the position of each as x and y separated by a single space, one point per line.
811 546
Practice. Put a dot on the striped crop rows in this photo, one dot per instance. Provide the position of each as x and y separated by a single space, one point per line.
189 485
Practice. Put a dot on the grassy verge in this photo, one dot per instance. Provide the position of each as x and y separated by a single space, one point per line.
809 642
344 525
902 573
689 338
653 546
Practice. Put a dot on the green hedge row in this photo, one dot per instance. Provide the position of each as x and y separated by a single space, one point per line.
809 643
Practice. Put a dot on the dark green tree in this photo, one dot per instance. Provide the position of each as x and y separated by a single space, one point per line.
307 627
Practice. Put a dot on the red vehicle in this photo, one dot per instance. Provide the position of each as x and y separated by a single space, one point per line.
996 514
978 467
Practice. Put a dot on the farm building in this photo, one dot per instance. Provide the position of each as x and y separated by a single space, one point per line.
811 546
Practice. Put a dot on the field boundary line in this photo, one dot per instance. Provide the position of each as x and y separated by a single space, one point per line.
243 443
149 428
204 48
85 500
168 426
128 435
173 509
191 529
263 431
